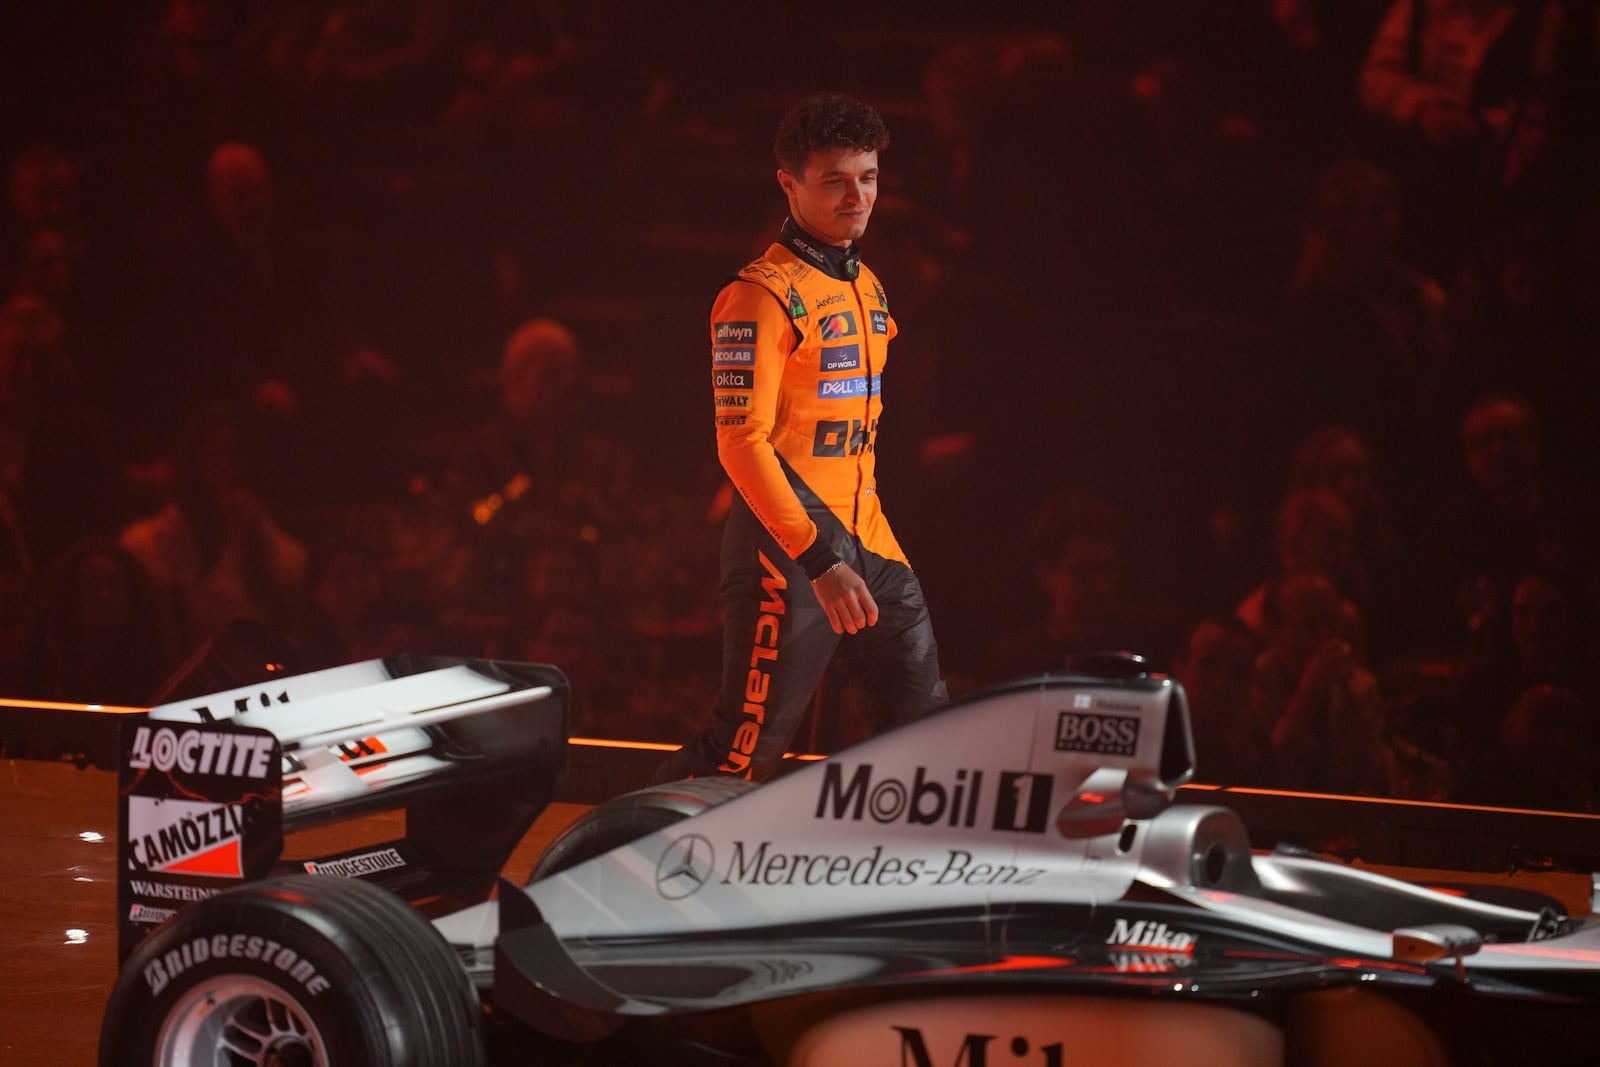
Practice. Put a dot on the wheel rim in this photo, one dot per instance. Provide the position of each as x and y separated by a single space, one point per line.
235 1020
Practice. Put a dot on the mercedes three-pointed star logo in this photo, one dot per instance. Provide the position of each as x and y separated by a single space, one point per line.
685 866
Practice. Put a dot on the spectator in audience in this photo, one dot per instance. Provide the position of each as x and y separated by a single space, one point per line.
1074 544
214 549
44 195
60 472
1544 638
1314 534
1311 693
1493 107
1340 459
349 614
1364 337
104 635
1512 515
1546 755
1216 667
18 630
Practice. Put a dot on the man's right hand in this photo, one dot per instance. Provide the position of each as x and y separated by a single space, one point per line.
844 596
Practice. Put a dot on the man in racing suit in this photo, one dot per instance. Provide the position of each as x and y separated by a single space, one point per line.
799 340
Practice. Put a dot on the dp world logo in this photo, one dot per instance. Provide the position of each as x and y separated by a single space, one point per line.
684 867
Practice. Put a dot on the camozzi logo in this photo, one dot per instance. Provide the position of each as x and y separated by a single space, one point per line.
186 837
1018 800
728 333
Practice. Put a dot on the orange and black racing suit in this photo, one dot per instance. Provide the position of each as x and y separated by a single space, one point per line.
799 340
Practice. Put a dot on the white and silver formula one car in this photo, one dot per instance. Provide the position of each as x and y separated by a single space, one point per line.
1006 881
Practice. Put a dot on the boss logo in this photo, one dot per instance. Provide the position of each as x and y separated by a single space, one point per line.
1105 735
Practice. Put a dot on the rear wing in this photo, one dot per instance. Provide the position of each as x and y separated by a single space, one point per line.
471 749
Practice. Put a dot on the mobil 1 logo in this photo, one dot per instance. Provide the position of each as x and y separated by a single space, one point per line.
1097 733
1017 800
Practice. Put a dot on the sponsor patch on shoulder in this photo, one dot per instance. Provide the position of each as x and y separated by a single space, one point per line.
733 378
734 332
880 321
734 356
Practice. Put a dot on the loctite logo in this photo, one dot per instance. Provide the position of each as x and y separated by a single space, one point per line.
1149 935
199 751
1021 801
1106 735
735 332
186 837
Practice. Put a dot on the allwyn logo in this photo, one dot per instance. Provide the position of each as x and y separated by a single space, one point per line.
729 333
1021 800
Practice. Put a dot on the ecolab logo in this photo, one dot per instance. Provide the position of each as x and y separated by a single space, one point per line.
1021 800
735 333
199 751
732 357
1145 934
1105 735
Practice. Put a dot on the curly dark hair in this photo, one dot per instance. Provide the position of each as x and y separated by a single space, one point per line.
825 122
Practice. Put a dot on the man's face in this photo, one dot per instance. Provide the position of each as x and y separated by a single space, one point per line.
833 198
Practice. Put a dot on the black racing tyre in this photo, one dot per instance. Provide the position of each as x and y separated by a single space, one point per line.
298 971
631 816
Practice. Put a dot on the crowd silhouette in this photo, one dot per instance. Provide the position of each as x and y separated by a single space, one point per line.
1253 336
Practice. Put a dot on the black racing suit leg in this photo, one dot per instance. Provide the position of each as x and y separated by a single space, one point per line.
776 643
895 663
